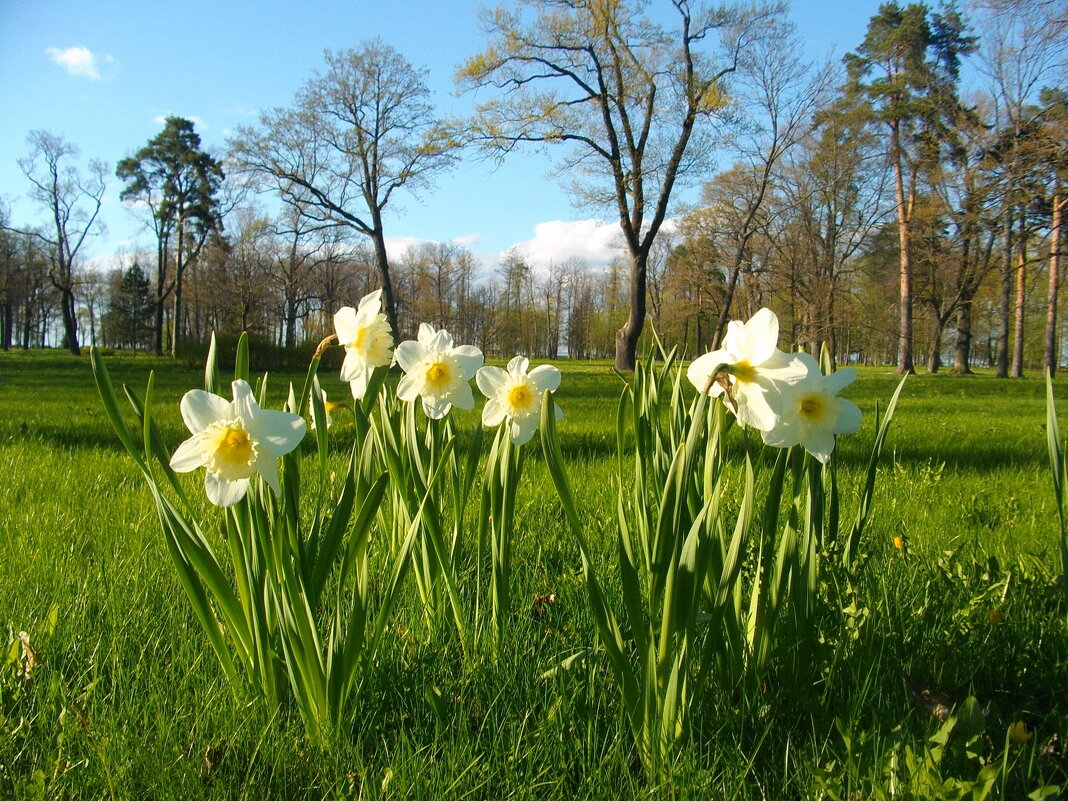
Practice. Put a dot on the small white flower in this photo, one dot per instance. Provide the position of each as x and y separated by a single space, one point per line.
365 335
437 371
233 440
516 395
812 414
330 408
757 369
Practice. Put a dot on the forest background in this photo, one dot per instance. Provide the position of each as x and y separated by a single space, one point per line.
873 202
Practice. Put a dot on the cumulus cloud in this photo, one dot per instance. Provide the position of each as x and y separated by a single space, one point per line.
79 62
397 246
594 241
467 240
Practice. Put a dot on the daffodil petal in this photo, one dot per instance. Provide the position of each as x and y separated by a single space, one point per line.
409 353
244 405
784 435
222 492
267 467
462 397
820 443
200 409
700 370
436 408
518 365
345 325
545 377
733 339
359 381
492 413
408 387
759 337
490 379
759 405
189 456
371 302
789 369
839 380
470 359
849 417
281 432
442 340
522 429
425 334
353 365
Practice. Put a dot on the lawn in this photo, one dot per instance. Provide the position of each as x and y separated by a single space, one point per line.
118 694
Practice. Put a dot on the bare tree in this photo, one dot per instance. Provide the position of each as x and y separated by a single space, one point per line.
1023 46
72 203
628 97
357 133
780 93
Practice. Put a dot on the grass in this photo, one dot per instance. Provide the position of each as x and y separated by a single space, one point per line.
125 699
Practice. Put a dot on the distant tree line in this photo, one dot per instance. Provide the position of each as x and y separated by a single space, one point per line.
869 203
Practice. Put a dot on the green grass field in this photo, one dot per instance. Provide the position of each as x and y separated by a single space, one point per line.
123 698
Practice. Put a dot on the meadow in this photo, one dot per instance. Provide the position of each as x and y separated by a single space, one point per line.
109 690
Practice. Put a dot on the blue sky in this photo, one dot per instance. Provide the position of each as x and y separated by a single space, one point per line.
104 74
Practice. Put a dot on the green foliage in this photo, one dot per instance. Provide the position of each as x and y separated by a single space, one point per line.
128 320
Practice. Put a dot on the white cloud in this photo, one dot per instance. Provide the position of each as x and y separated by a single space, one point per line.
467 240
595 241
397 246
79 62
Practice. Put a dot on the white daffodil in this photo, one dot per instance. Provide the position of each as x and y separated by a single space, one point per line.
233 440
365 335
330 408
756 370
437 371
516 395
812 413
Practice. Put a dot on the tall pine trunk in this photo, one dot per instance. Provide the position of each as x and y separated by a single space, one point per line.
1004 301
904 215
1054 282
1020 280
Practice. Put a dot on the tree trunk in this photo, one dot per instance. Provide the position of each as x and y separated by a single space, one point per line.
728 298
9 325
378 240
1002 361
70 322
1021 291
934 354
1054 283
904 342
179 267
291 319
627 337
963 352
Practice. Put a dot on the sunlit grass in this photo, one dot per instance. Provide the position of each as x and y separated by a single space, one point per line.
127 701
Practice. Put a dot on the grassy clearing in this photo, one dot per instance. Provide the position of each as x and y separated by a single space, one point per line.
126 699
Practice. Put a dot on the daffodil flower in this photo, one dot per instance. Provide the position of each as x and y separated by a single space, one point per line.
756 370
365 335
437 371
330 407
812 413
515 395
233 440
